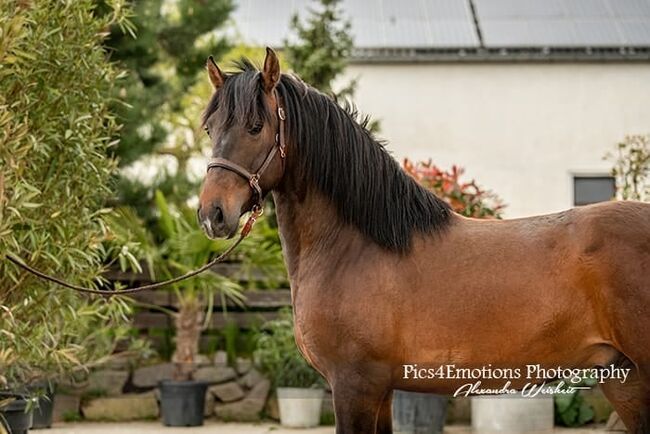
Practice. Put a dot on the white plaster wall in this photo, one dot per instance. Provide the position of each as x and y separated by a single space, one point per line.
521 130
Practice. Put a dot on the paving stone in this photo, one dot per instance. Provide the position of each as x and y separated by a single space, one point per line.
260 391
202 360
65 407
220 358
215 374
122 408
149 376
248 409
208 408
243 365
252 378
107 381
227 392
75 384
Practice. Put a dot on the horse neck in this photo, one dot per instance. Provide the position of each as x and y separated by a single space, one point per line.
310 230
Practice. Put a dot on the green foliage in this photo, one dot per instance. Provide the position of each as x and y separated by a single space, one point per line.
323 46
133 240
465 198
72 416
632 167
55 84
171 44
231 333
571 409
175 245
277 355
321 50
327 418
165 63
182 248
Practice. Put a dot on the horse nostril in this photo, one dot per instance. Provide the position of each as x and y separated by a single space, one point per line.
218 215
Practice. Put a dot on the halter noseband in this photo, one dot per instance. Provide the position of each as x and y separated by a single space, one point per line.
254 178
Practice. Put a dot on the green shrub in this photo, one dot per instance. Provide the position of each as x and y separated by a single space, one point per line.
632 167
278 357
571 409
465 197
55 132
71 416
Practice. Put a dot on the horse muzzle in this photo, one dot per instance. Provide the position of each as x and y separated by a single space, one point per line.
217 223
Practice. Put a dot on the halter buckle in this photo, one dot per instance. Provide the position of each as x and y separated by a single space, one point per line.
254 180
281 114
256 211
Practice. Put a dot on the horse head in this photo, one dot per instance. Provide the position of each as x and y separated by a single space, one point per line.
245 122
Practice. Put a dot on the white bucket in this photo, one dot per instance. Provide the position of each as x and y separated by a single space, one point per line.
300 408
507 414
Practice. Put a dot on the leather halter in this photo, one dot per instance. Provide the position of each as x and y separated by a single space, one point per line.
254 178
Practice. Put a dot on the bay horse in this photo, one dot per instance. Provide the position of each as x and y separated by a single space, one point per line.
384 274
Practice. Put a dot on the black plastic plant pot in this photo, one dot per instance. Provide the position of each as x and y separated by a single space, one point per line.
18 421
43 412
182 402
419 412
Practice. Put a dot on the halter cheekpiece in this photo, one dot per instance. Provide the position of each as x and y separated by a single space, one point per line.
254 178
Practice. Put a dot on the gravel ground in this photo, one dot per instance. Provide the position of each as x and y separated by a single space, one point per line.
234 428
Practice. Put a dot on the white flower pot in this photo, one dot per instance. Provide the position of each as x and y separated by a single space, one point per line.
300 408
512 415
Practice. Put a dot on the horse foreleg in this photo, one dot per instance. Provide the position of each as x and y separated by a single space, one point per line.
357 404
385 416
631 400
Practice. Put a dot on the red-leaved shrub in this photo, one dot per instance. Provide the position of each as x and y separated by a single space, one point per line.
466 198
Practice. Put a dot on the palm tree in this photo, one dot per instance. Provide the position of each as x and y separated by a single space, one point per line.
184 247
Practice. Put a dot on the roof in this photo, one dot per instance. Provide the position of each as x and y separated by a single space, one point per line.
386 30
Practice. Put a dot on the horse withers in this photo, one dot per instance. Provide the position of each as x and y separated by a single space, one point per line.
383 274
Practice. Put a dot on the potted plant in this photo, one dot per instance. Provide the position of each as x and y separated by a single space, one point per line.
298 386
183 247
28 407
43 409
15 413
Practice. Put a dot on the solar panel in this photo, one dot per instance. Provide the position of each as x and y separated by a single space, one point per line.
587 8
630 8
570 23
636 32
442 24
375 23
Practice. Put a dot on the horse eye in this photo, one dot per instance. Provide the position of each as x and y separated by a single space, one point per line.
255 130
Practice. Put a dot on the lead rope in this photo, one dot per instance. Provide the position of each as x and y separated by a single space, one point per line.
256 212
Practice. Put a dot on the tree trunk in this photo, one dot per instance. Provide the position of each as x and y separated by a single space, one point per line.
188 321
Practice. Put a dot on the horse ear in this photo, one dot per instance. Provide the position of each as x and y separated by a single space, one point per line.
216 76
271 72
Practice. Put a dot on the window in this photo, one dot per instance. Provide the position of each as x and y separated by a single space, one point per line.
592 189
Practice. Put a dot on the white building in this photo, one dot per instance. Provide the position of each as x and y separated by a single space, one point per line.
527 95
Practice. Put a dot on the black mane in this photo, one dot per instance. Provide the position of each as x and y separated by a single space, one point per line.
339 156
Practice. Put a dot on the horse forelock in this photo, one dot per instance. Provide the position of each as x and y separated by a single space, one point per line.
340 157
